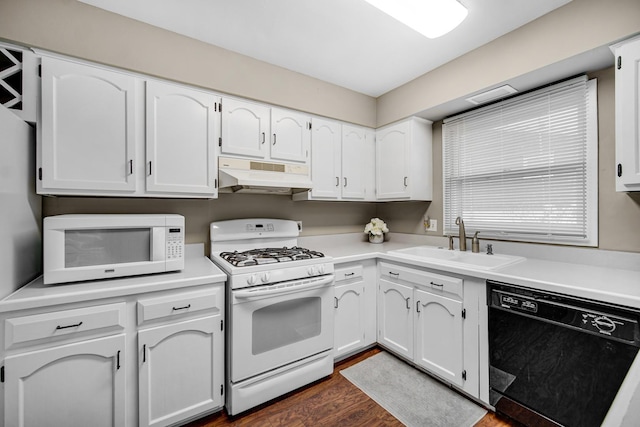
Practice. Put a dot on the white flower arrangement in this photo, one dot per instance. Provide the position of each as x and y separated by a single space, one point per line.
376 227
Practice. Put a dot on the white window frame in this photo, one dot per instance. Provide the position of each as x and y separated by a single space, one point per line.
533 234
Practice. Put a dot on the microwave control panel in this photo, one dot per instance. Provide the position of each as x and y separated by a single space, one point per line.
175 243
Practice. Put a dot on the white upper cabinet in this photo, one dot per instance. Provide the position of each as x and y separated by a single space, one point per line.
627 99
87 132
260 132
245 129
290 136
403 161
326 157
101 134
357 144
342 162
182 127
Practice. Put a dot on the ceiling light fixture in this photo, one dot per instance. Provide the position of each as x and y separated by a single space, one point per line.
431 18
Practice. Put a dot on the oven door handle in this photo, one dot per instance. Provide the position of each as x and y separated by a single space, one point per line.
284 288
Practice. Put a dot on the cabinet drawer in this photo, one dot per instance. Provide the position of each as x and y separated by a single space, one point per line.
424 279
443 284
179 304
64 323
348 273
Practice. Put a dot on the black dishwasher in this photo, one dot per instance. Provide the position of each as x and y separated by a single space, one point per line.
556 359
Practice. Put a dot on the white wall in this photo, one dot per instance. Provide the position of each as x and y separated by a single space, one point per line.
20 208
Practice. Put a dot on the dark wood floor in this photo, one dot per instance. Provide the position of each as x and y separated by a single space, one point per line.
333 401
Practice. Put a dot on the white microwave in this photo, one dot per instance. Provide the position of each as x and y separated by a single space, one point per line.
88 247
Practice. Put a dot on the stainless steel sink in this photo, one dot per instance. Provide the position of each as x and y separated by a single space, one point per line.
443 256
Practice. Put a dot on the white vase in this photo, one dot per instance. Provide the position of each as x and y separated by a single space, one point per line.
374 238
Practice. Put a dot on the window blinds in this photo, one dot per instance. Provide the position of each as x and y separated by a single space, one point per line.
526 168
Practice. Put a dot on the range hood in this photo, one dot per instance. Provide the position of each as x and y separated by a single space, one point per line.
249 176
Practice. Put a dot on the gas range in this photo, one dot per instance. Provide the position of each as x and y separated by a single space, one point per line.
280 303
260 251
262 266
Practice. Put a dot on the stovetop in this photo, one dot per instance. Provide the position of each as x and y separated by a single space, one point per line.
262 256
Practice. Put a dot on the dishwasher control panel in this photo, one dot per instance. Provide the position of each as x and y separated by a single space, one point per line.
618 323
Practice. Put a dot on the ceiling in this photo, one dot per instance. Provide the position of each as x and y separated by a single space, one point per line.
345 42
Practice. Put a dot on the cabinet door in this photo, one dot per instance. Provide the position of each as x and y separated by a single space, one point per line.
80 384
395 317
326 172
349 318
181 370
392 161
291 136
181 140
88 128
369 165
354 162
438 326
628 116
245 129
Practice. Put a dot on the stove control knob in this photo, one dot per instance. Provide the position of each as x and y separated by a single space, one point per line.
321 269
312 271
265 277
252 280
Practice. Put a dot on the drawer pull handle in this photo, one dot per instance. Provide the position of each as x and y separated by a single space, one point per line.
407 302
118 361
69 326
349 274
335 302
440 285
182 308
417 306
394 274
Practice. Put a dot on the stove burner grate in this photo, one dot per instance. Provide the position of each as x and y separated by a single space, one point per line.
269 256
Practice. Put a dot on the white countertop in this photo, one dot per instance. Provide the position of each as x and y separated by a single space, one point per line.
595 279
199 270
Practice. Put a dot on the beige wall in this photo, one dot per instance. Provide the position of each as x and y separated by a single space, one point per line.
76 29
619 213
317 217
73 28
576 28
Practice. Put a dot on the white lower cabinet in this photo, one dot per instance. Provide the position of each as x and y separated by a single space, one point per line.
180 358
427 319
180 370
79 384
438 336
355 308
77 365
395 317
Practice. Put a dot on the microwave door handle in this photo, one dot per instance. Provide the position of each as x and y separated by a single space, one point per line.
254 293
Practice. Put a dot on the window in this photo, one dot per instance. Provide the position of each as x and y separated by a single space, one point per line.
526 168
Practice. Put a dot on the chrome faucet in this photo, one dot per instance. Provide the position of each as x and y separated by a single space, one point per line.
461 234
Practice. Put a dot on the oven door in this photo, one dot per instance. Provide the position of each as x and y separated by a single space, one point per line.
274 325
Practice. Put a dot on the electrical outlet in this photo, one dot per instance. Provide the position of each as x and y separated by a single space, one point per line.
431 225
299 225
